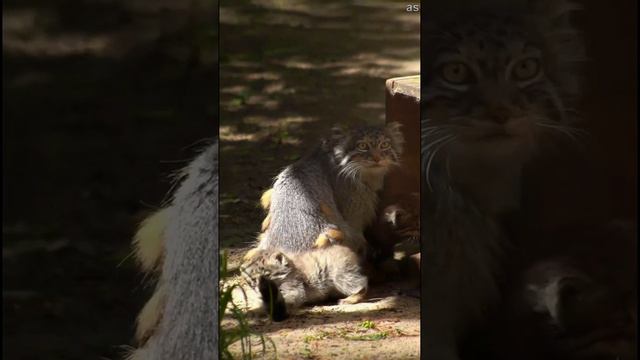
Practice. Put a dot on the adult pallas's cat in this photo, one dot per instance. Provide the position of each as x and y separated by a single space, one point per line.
330 195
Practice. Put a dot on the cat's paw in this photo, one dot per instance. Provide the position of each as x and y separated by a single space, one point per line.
329 237
354 298
250 254
265 223
265 199
322 241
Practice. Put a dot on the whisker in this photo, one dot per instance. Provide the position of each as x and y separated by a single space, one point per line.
437 145
572 133
436 142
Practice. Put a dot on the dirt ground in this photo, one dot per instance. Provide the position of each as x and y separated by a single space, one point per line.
289 70
385 326
103 99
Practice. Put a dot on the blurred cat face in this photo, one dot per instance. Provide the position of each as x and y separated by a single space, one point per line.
493 88
584 316
369 149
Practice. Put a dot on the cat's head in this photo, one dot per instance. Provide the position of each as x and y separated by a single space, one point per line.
366 149
270 264
575 307
497 81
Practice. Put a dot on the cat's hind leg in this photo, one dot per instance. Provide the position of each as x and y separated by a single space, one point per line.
352 284
355 298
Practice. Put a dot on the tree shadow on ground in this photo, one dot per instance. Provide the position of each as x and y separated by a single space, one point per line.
291 70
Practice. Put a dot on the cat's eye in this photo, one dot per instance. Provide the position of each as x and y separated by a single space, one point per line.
362 146
455 73
525 69
385 145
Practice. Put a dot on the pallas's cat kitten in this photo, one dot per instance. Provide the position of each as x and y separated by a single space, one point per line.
287 282
496 84
330 195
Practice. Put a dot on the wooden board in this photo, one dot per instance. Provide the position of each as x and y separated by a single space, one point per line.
403 106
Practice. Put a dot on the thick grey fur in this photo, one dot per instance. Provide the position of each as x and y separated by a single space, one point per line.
189 326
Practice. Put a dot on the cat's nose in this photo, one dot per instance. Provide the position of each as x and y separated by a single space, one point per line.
376 157
500 114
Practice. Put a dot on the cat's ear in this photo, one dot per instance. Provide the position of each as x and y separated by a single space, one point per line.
339 132
281 259
561 41
558 12
393 131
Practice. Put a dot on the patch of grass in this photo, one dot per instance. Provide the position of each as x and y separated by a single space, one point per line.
349 335
318 336
367 337
368 324
283 135
241 332
306 352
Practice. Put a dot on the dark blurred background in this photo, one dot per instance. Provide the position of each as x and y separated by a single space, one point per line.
103 99
601 183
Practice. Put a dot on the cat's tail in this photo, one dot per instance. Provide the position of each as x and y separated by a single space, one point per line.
272 299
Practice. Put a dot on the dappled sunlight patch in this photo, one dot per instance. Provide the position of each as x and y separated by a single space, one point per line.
304 7
59 46
227 134
299 64
232 16
267 128
385 328
25 33
262 100
377 65
278 87
263 75
234 90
